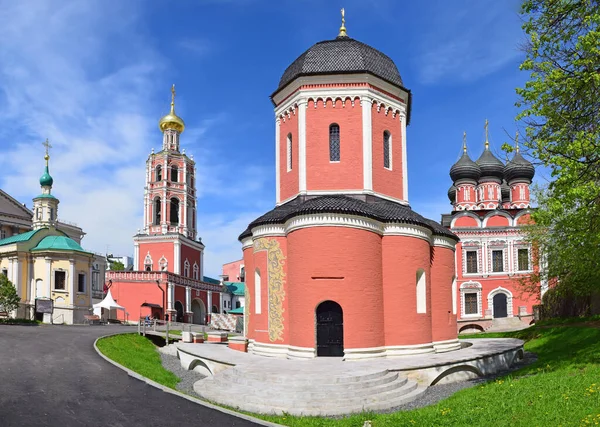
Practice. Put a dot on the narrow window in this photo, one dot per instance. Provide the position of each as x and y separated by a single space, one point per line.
157 211
454 296
5 272
471 303
257 308
334 143
186 268
196 271
3 234
159 173
242 274
238 304
523 256
471 261
386 150
51 214
421 292
174 211
81 283
497 261
38 214
289 152
59 280
174 173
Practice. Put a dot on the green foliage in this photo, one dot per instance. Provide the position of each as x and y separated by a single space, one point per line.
19 322
561 110
117 266
138 354
9 299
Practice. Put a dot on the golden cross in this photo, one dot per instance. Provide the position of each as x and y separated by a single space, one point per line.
465 141
47 145
487 143
173 97
343 27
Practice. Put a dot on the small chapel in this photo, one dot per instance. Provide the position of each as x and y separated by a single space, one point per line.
45 264
167 280
342 266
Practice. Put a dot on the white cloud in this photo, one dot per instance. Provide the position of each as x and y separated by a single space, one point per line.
83 75
465 43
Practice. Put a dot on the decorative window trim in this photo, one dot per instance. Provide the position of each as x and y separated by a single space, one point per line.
335 152
468 248
467 288
186 268
257 292
65 285
163 264
421 288
516 249
85 284
148 262
387 145
196 270
509 300
289 157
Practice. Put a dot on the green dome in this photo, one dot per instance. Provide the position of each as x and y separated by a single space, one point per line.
46 180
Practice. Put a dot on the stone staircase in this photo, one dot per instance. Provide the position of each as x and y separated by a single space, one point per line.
314 393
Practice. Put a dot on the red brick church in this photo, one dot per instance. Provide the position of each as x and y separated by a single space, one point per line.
342 266
168 258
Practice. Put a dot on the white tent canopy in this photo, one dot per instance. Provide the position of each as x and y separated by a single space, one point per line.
108 302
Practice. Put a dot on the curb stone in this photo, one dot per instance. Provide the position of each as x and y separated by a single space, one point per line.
175 392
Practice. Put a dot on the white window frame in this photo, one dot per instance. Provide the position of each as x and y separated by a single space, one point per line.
421 287
469 288
79 274
472 248
257 292
516 258
389 149
289 152
491 250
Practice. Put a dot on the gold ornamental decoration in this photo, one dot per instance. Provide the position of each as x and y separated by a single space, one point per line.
276 278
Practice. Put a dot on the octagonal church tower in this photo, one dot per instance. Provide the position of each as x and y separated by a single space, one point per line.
342 266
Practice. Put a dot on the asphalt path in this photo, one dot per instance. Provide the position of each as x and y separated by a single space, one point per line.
52 376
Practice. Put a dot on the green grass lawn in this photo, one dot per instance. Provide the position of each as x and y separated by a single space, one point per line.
561 389
138 354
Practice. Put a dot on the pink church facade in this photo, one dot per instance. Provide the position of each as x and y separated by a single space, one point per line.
342 266
491 205
168 281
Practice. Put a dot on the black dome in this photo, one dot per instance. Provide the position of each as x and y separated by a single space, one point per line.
519 168
505 191
465 168
452 194
490 165
342 55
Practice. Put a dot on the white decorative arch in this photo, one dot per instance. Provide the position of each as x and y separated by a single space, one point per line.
148 261
519 215
196 270
163 264
496 212
465 213
186 268
509 300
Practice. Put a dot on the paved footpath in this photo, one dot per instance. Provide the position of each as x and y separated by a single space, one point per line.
52 376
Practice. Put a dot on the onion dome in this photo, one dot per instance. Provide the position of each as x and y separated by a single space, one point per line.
46 180
505 191
342 55
465 168
452 194
519 169
489 164
172 120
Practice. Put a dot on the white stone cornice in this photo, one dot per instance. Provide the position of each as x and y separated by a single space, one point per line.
332 220
444 242
408 230
268 230
246 242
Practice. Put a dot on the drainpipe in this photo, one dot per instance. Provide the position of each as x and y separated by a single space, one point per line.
163 298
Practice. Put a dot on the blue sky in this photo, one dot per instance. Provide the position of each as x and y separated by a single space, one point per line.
94 78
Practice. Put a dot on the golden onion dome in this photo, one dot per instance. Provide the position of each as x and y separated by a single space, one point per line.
172 120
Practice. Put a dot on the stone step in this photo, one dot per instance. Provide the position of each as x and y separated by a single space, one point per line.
241 380
389 396
305 378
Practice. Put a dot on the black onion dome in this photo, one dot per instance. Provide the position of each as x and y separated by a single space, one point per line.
490 165
519 168
505 191
465 168
452 194
342 55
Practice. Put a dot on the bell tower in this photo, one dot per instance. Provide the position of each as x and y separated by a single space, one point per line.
168 240
45 206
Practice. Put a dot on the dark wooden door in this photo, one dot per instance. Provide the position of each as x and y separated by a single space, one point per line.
179 308
330 330
500 305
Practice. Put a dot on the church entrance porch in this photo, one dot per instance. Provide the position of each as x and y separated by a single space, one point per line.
199 312
330 330
500 305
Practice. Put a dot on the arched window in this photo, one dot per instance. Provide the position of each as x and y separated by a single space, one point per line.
148 262
157 211
289 152
159 173
421 292
257 287
242 274
334 143
174 211
174 173
387 142
196 270
163 263
186 268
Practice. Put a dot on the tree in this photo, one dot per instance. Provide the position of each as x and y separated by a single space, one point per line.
561 112
117 266
9 299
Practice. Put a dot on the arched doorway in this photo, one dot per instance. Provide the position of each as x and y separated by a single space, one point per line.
179 309
500 305
199 312
330 330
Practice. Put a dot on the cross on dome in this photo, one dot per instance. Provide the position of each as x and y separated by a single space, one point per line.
343 27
